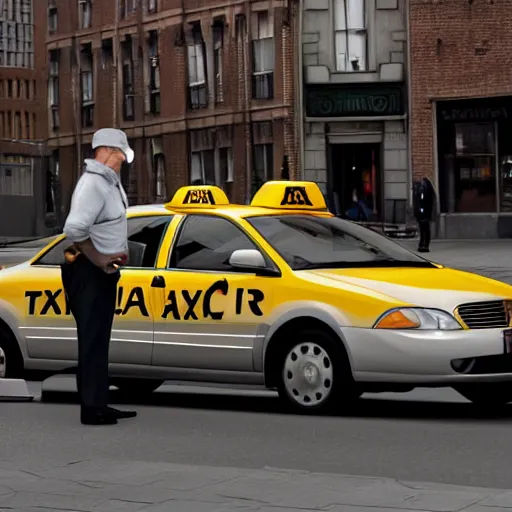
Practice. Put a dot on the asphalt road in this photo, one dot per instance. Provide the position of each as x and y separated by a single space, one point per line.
427 435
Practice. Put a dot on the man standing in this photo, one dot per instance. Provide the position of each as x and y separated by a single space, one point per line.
97 226
423 200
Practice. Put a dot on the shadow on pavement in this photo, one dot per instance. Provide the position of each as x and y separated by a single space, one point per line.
364 408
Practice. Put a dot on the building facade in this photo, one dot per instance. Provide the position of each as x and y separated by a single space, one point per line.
26 201
355 99
203 89
461 81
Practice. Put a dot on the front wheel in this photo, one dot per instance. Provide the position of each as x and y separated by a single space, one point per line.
488 394
315 373
11 362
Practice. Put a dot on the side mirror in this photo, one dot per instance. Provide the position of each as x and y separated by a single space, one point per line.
251 259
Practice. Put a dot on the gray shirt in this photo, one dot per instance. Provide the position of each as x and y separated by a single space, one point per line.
98 210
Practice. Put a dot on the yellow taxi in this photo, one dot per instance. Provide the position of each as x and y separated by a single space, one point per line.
279 293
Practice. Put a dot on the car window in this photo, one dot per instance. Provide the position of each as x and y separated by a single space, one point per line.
145 235
55 256
206 243
308 242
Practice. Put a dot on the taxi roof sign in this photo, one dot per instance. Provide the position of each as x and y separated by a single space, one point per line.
197 196
290 195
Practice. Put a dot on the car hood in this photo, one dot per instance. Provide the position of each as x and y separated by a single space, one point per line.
441 288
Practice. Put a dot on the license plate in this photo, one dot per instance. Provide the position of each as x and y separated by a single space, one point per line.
507 340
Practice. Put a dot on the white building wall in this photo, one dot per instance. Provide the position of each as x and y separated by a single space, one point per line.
386 58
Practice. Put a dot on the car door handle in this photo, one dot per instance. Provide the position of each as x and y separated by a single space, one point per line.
158 282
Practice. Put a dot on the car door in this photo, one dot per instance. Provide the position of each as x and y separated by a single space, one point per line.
132 331
211 314
45 318
50 329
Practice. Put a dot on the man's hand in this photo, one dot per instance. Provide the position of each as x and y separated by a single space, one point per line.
107 262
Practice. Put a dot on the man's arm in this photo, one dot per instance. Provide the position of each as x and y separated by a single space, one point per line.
87 202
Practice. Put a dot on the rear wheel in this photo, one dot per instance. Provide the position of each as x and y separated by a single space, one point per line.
11 361
315 374
490 394
136 387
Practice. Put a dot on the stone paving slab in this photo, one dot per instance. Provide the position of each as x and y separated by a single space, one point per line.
490 258
120 486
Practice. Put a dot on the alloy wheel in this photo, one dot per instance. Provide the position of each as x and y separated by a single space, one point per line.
308 375
3 364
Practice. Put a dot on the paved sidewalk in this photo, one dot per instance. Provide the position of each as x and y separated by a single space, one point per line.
491 258
110 485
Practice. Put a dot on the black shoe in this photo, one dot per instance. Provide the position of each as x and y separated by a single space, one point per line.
121 415
423 249
93 416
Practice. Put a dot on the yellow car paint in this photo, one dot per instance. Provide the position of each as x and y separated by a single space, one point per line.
356 297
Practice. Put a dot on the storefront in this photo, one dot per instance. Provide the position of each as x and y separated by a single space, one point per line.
356 148
474 147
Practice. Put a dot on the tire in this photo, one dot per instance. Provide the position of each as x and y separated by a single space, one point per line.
487 395
136 387
11 360
315 374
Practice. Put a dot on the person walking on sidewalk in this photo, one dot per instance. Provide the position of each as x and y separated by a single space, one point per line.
97 227
423 201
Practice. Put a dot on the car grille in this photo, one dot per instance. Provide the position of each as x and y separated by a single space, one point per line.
484 315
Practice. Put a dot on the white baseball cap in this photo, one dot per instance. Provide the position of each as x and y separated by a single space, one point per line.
113 138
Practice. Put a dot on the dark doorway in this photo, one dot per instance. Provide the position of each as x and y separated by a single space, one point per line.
355 181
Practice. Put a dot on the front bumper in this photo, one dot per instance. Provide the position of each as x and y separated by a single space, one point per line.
427 357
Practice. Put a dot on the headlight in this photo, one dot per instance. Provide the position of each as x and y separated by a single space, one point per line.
418 318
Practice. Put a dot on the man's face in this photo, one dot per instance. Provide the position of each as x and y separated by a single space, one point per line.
111 157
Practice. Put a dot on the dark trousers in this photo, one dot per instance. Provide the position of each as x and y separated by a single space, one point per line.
92 299
424 233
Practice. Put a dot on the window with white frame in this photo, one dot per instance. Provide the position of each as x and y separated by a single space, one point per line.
87 84
154 73
17 33
263 163
16 179
126 7
53 89
128 86
53 19
211 156
202 167
351 35
263 55
85 13
225 174
158 167
197 69
218 43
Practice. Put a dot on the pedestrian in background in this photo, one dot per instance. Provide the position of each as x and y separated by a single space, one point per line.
97 226
423 203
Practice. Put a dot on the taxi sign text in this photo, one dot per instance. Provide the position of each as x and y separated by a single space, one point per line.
290 195
200 196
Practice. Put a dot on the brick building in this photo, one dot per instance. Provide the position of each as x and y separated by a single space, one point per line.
203 88
24 198
461 97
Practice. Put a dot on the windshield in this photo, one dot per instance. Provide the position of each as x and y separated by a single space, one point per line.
308 242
